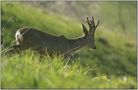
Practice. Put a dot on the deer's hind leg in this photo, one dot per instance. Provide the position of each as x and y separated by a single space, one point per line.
7 51
13 49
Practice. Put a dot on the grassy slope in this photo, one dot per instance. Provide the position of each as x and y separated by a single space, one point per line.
109 66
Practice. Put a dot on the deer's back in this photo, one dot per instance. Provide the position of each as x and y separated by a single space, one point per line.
35 39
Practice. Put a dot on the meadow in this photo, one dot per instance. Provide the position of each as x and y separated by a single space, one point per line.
112 65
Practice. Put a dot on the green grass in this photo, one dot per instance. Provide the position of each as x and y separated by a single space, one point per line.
27 71
111 65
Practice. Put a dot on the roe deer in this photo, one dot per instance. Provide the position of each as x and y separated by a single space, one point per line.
30 38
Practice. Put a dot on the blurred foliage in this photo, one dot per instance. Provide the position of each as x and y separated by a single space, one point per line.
112 65
114 16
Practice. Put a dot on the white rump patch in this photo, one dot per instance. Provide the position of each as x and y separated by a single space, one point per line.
17 36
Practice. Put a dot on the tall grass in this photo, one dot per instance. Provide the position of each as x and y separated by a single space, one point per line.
28 70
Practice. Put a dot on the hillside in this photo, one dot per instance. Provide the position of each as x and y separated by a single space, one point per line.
112 65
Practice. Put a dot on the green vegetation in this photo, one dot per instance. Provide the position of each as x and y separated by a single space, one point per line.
26 71
112 65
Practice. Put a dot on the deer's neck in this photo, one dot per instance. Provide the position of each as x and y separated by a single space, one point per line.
75 44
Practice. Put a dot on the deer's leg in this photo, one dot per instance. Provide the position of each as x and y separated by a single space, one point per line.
19 48
69 58
7 51
10 51
13 49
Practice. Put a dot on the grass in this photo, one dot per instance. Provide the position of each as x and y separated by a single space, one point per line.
27 71
112 65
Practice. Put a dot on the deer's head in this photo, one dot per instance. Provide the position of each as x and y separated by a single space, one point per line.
89 34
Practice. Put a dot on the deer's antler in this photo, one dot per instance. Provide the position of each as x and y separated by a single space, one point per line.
91 24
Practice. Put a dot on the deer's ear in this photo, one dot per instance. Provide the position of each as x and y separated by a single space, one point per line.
85 31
